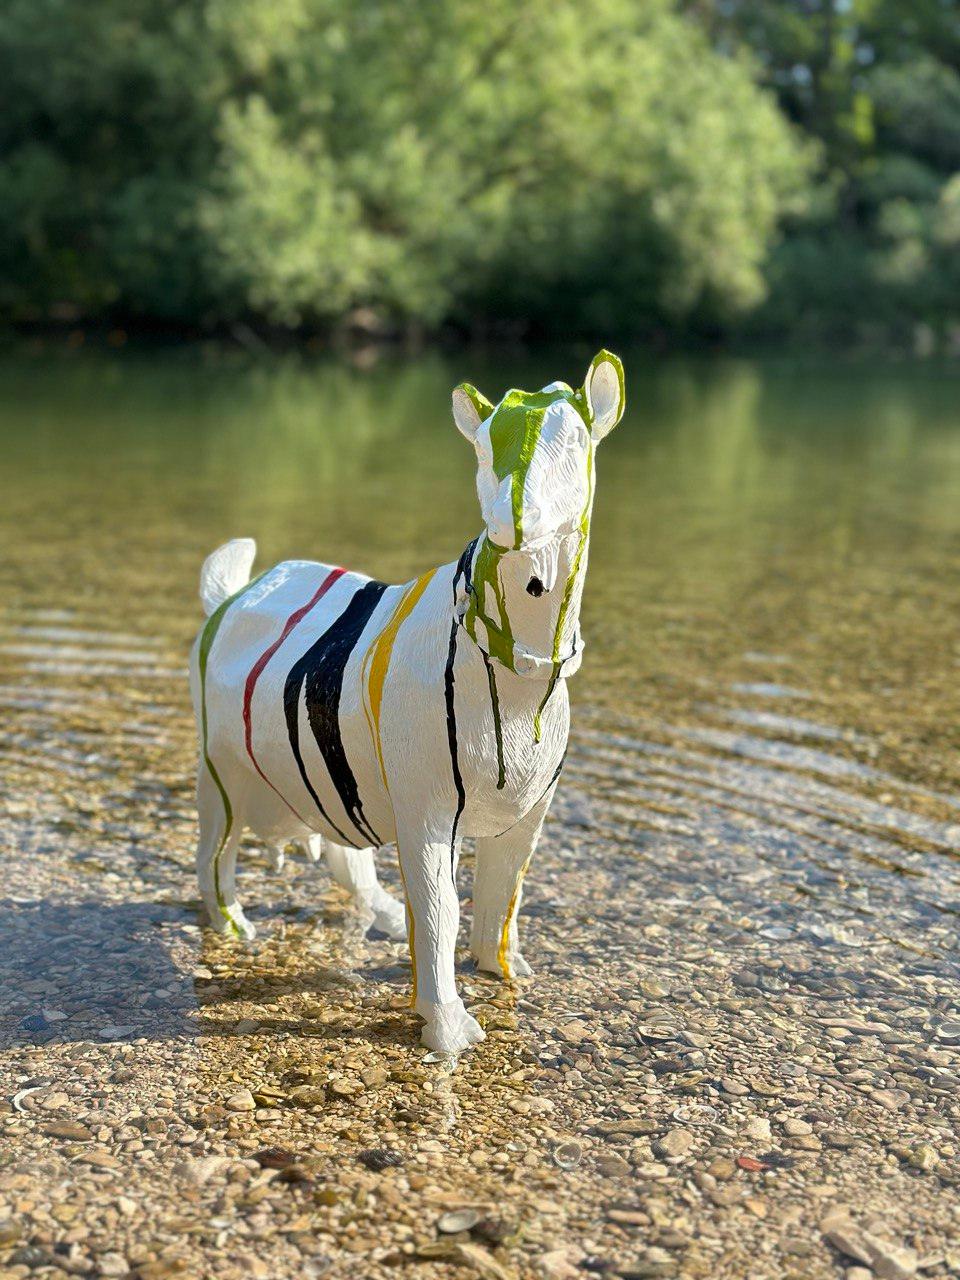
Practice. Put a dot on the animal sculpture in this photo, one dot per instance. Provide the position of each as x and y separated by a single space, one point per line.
345 713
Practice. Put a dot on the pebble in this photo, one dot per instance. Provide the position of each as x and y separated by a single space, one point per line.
113 1264
886 1261
722 1169
890 1099
923 1157
734 1087
68 1129
674 1143
458 1220
243 1100
758 1128
794 1128
380 1159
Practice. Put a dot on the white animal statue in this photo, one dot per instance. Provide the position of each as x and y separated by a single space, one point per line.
345 714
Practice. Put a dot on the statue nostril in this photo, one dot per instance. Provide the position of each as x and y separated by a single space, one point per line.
535 588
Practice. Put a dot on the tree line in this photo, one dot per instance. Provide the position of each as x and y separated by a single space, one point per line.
683 168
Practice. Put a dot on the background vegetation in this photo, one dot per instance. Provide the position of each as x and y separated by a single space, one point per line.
785 167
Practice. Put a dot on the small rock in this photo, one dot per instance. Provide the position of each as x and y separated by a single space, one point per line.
561 1264
628 1217
758 1128
473 1256
923 1157
733 1087
674 1143
199 1172
274 1158
307 1095
890 1099
10 1232
112 1264
344 1088
886 1261
381 1159
722 1169
574 1032
241 1101
68 1129
796 1128
458 1220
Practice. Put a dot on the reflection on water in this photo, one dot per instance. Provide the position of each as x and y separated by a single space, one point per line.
748 894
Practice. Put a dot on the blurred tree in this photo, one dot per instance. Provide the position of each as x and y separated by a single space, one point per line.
877 84
291 162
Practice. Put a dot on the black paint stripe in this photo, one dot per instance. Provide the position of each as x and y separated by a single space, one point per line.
463 570
497 726
321 668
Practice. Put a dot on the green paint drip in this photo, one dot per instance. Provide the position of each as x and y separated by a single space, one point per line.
497 726
486 573
206 644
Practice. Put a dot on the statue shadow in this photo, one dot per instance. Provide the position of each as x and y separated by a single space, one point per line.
95 972
73 972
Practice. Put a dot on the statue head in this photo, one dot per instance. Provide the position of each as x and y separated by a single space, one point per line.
535 481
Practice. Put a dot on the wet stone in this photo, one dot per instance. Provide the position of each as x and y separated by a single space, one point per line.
381 1158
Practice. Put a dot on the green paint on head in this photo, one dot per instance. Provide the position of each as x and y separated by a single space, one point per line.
514 431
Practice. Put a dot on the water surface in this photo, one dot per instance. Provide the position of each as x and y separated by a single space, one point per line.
760 817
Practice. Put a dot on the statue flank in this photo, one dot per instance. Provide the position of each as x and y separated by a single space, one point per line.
345 713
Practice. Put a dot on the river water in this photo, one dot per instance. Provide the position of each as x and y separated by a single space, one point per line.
755 841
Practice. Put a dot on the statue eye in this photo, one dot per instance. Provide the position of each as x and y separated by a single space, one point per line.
535 588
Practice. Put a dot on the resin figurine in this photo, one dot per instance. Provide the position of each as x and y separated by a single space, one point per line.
346 714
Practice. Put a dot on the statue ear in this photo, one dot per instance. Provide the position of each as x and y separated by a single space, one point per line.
469 409
604 393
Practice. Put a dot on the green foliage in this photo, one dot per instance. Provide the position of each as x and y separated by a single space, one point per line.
877 84
593 167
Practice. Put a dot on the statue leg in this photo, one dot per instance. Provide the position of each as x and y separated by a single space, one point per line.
217 859
434 912
497 892
356 871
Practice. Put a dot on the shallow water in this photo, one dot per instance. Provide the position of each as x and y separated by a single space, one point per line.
763 782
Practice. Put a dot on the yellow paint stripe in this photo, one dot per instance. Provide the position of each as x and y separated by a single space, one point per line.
377 662
411 937
502 960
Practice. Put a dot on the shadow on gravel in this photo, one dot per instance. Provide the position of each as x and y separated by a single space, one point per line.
90 971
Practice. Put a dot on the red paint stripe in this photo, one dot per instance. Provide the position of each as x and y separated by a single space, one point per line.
257 670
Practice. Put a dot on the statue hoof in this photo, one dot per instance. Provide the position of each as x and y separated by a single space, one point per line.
450 1029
